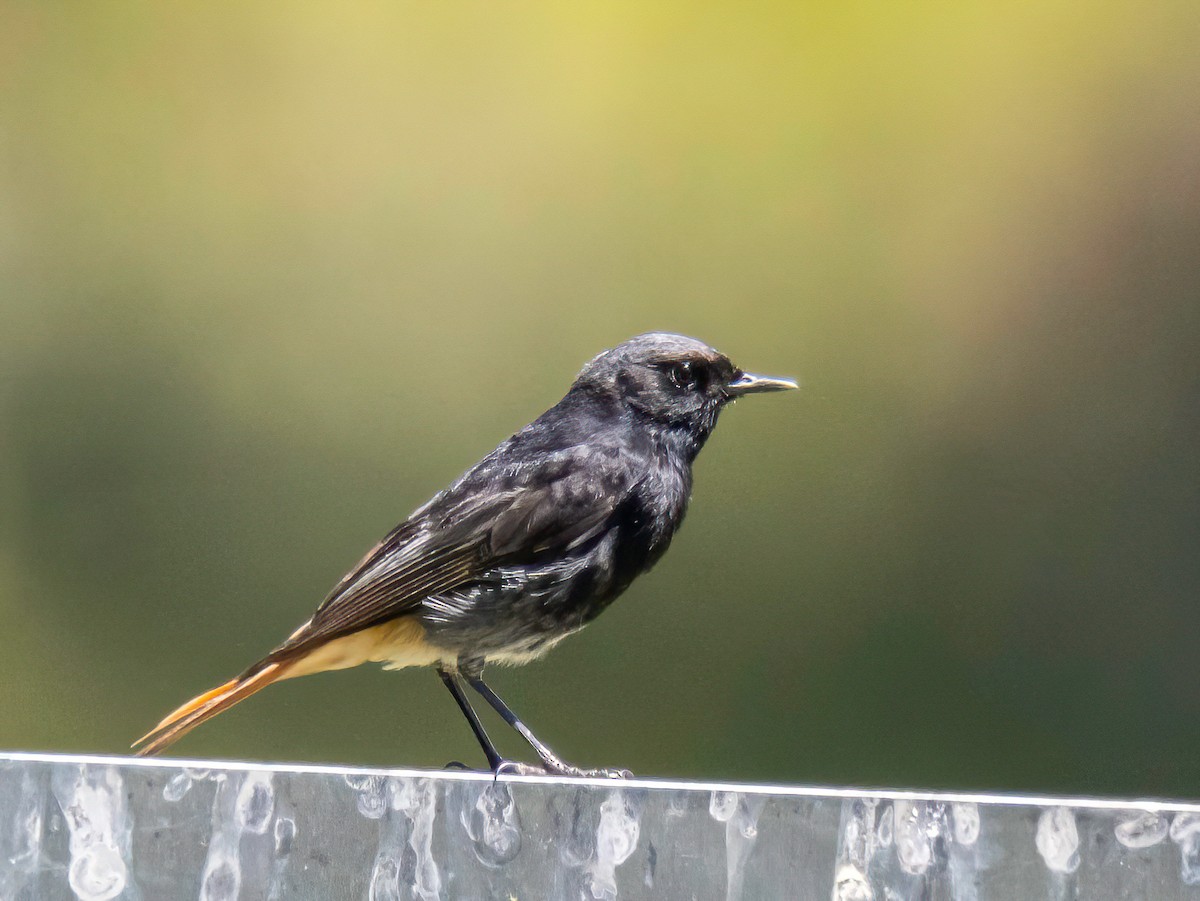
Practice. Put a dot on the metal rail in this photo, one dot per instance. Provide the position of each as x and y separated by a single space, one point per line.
99 828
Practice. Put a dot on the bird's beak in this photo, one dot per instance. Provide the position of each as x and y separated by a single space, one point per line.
749 383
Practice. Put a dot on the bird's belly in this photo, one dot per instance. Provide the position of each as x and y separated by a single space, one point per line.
517 613
521 652
507 626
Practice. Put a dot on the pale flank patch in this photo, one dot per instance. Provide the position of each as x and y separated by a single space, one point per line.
396 644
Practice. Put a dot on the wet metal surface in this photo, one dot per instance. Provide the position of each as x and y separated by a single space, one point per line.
99 828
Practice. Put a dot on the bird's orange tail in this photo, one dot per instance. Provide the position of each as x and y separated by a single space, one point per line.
198 709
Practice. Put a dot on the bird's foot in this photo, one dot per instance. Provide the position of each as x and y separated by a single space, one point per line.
516 768
557 768
607 772
501 768
574 772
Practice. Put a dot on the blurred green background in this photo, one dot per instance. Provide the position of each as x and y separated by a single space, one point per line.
270 276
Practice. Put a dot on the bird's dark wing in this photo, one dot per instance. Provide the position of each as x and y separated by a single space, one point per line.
496 516
553 505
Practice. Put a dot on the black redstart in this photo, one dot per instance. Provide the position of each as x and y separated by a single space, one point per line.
528 546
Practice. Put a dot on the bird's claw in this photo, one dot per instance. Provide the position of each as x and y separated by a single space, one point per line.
516 768
616 773
608 772
558 768
502 768
575 772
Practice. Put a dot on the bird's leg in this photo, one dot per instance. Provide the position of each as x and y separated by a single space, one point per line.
496 763
554 763
493 756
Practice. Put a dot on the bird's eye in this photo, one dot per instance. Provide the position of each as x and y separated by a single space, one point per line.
683 375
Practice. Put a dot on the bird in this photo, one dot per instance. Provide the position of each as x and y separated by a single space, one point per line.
526 548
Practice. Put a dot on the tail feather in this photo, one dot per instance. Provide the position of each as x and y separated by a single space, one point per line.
190 715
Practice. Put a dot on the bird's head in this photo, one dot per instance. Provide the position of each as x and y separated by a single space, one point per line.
672 380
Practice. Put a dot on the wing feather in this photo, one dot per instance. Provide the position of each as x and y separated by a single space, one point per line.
554 505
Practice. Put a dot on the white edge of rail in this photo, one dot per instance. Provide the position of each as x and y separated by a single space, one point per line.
797 791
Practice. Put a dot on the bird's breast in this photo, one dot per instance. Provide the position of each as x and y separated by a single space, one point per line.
647 521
